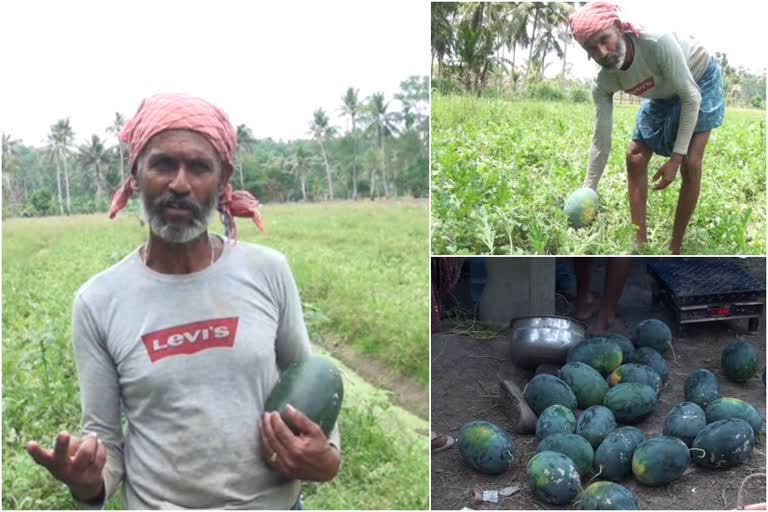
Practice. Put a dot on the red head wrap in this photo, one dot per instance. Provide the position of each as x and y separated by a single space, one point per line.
179 111
596 17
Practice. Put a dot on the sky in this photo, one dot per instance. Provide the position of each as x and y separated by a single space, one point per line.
269 65
735 27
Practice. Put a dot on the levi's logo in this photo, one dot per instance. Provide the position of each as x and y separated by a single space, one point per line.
642 87
190 338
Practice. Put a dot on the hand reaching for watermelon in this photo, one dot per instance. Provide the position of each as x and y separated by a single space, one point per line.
304 456
76 463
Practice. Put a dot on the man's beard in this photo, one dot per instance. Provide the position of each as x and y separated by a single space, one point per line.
614 61
152 211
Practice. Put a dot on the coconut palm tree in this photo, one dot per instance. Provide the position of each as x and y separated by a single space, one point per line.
442 33
301 163
351 107
321 130
96 157
383 124
59 141
117 124
10 156
245 142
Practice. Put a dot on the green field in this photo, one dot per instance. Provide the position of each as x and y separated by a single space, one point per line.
501 171
362 272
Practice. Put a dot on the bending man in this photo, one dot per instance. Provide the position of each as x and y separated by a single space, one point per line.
681 82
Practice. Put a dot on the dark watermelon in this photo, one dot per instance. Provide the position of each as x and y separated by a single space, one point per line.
685 421
581 207
627 348
313 386
650 357
572 446
613 458
607 496
634 433
633 372
486 448
599 353
630 402
653 334
723 444
588 385
701 388
553 477
726 408
595 424
544 390
660 460
739 361
556 419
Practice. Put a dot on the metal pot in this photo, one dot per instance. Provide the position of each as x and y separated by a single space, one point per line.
544 339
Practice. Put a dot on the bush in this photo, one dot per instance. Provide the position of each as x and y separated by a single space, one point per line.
757 102
447 85
546 91
579 95
41 201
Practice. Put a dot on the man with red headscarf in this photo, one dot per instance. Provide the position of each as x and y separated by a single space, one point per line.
685 101
185 338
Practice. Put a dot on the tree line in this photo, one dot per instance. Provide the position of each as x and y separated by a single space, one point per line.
477 48
382 152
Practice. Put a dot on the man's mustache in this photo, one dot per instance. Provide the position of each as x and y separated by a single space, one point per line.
172 201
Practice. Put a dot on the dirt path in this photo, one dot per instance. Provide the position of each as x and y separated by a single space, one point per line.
465 375
405 391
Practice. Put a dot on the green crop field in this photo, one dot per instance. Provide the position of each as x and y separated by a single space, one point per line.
501 171
362 272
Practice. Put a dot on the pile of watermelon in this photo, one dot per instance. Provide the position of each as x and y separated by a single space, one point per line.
617 381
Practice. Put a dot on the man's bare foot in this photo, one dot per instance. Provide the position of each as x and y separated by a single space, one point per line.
602 326
586 309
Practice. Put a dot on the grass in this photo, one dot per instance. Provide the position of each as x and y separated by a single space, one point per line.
361 269
501 171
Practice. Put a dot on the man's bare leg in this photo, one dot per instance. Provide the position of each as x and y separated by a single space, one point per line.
638 156
586 305
616 273
690 172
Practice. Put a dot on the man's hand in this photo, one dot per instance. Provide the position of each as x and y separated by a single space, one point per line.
306 456
77 463
667 172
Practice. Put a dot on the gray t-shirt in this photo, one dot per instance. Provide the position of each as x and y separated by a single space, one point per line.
189 361
664 66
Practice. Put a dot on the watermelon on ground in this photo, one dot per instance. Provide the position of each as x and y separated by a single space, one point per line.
486 447
595 424
723 444
684 421
581 207
572 446
660 460
600 353
608 496
613 458
631 402
553 478
556 419
726 408
544 390
701 388
588 385
652 333
739 361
